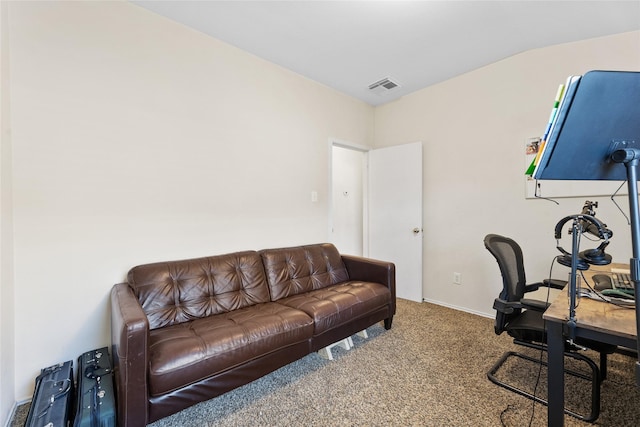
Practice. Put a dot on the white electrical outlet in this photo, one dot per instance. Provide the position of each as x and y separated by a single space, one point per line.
457 278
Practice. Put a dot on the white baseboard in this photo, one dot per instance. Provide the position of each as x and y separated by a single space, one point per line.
14 408
455 307
12 413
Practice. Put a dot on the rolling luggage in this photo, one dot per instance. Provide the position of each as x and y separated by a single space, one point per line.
53 397
96 405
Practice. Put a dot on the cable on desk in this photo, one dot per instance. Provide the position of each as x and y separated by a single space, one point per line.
602 297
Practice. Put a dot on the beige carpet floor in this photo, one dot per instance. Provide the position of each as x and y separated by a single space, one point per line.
428 370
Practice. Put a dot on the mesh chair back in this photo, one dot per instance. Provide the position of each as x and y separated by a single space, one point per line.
508 255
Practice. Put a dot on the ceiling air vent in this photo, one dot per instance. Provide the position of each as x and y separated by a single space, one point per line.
383 86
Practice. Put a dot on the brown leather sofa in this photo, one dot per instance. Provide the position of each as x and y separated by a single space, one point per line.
187 331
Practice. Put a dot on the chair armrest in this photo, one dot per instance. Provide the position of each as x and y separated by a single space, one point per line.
372 270
547 292
506 307
554 283
129 338
532 287
534 304
546 283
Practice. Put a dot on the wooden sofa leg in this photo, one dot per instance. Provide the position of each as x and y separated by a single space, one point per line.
387 323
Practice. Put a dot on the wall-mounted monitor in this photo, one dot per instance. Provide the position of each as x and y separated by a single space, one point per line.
599 113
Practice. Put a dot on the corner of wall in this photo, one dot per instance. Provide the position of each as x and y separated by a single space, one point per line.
7 321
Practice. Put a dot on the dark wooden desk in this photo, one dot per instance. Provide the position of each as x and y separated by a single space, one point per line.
596 320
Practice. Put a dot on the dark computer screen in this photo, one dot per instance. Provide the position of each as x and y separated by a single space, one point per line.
600 113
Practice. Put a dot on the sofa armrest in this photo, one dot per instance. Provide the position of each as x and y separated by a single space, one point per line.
129 337
372 270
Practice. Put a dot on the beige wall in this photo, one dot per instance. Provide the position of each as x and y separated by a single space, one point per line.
136 139
474 128
7 312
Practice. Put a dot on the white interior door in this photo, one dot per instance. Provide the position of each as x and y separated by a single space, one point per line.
395 214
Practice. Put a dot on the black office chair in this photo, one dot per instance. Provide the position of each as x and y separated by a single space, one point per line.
523 321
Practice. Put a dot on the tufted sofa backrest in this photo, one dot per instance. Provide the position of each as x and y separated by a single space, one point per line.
179 291
292 271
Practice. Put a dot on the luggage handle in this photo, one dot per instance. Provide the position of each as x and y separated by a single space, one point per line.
63 386
95 371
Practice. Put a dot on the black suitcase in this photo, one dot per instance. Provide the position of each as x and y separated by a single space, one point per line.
52 401
96 404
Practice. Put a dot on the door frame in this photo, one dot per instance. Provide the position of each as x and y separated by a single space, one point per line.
335 142
366 199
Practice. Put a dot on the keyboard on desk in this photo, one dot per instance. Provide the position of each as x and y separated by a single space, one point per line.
622 281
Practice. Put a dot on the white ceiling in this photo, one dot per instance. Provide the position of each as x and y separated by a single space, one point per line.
348 45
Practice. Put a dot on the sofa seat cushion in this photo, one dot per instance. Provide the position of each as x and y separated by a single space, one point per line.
188 352
336 305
